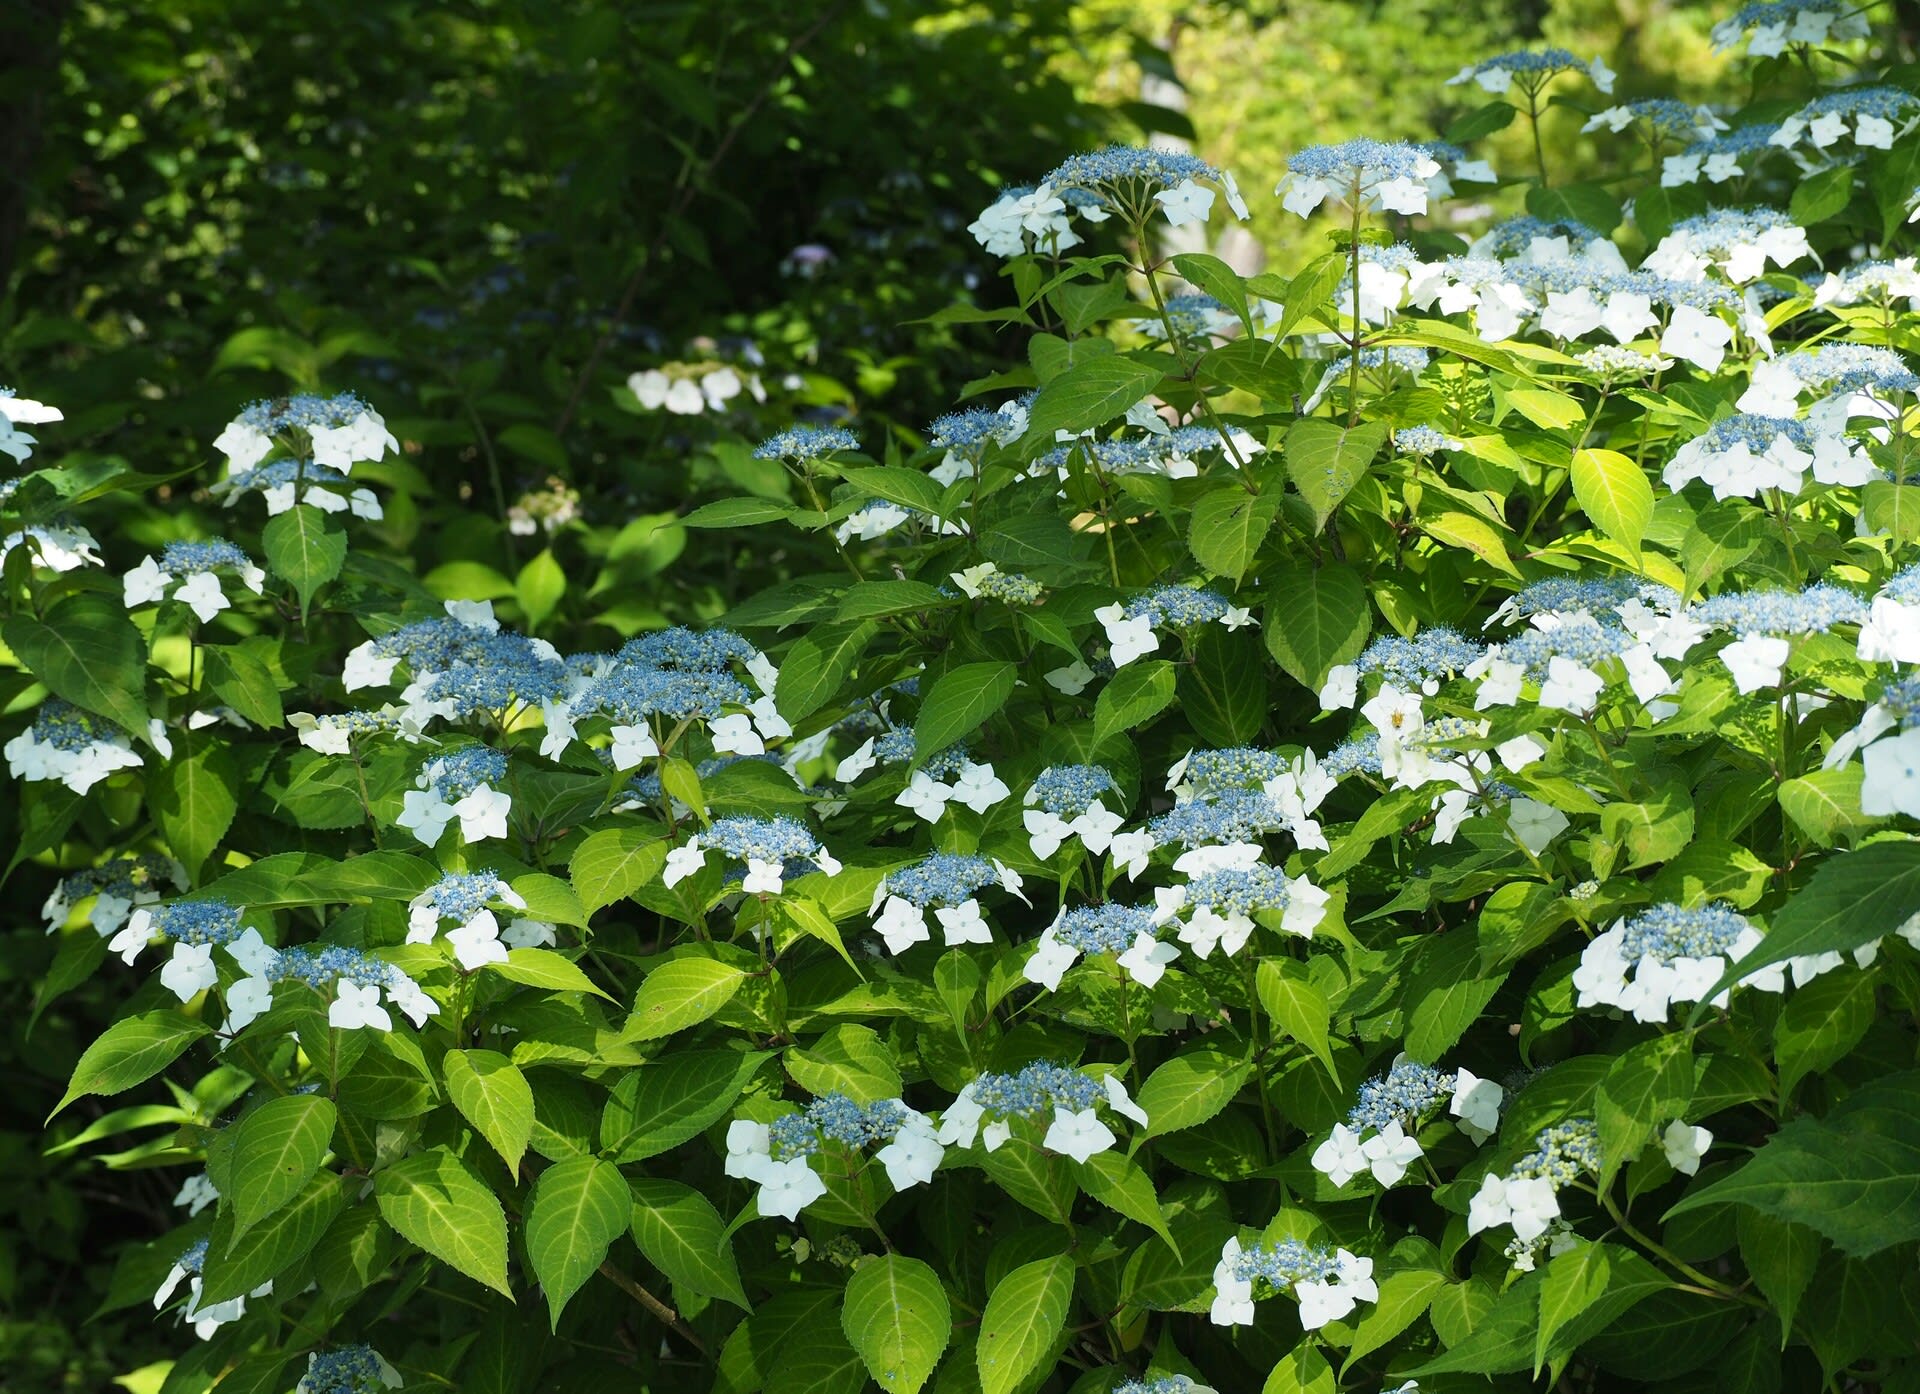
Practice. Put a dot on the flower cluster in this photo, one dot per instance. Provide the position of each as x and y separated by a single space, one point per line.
779 1156
1067 1098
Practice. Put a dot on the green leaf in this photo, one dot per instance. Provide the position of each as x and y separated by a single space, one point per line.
439 1203
494 1096
1644 1089
1825 804
1216 278
737 513
1132 697
1574 1282
665 1102
1817 197
849 1059
545 968
1259 366
1223 692
613 863
303 551
1575 203
960 700
1325 461
1446 994
1496 115
1121 1186
535 443
1550 410
129 1052
817 664
276 1150
1615 493
243 682
194 798
1089 394
236 1265
87 651
1309 291
1318 617
1303 1370
1189 1089
897 1317
679 994
683 1236
1853 1176
1295 1004
1228 526
1025 1318
1404 1297
577 1209
539 587
1474 535
1851 900
1821 1024
1781 1257
896 484
872 600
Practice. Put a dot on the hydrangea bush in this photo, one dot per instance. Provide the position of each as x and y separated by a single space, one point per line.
1342 831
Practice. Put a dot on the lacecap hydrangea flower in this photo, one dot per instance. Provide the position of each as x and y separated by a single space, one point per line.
1069 1099
73 746
776 1156
193 571
348 1370
459 787
1328 1283
477 939
947 883
767 846
1366 174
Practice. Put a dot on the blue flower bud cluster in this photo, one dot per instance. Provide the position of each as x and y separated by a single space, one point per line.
1430 655
1358 163
1722 229
460 895
834 1118
319 967
197 921
1103 929
1667 932
304 411
1530 62
1665 116
1360 754
761 839
124 876
1580 637
690 650
1145 455
1852 368
193 1258
513 670
1615 361
59 723
1423 442
1866 281
192 558
1511 236
1402 356
1037 1090
1194 314
1241 890
1009 588
1903 586
1562 1152
1211 772
802 443
1565 594
1404 1094
1160 1384
1888 103
347 1370
1176 607
458 773
1069 790
631 695
942 879
1234 815
1106 171
972 430
1279 1266
1814 610
1901 696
